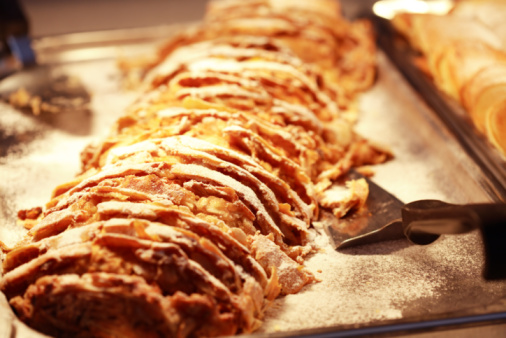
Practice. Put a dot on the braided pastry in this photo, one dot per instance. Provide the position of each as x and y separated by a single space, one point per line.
195 211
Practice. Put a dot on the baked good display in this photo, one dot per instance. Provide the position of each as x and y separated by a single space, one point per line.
195 212
465 53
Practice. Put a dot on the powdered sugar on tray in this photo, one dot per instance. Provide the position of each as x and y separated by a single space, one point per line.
40 152
395 280
387 281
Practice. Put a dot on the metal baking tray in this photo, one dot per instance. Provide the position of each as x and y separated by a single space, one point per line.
387 288
456 119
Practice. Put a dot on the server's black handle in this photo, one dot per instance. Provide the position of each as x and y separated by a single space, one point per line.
493 231
425 220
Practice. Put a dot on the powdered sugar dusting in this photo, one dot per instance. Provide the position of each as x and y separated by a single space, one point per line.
373 284
396 280
387 281
353 289
38 153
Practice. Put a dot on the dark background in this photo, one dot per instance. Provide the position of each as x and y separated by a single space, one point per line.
51 17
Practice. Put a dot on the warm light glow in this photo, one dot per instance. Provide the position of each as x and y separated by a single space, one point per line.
388 8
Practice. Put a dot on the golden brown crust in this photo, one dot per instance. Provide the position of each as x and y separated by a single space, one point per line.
196 209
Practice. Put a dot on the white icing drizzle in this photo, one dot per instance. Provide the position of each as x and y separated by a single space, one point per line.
232 90
202 173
